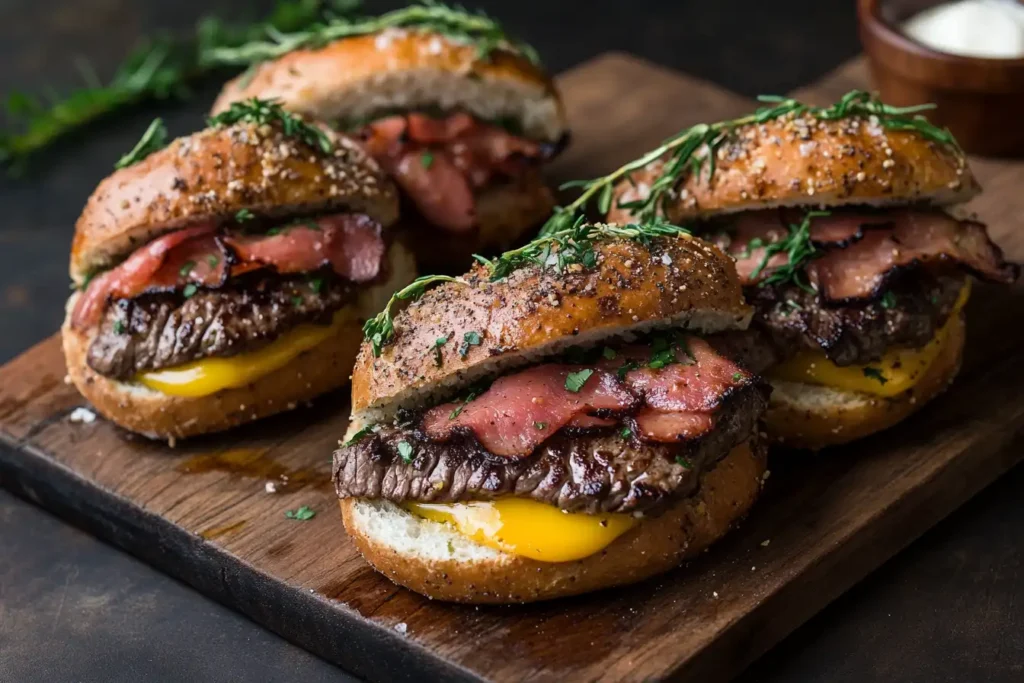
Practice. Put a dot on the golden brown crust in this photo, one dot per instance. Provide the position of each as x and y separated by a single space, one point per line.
676 280
655 546
806 162
353 77
506 213
211 175
802 415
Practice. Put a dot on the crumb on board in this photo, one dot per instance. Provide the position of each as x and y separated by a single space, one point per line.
82 415
402 627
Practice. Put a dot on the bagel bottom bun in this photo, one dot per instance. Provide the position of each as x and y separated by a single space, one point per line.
433 559
323 368
812 416
506 213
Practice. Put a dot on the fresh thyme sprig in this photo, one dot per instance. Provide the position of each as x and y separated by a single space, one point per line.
270 112
797 246
455 22
379 329
155 138
574 245
690 150
160 68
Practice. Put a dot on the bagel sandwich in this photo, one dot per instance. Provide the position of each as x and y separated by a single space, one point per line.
845 227
226 276
558 420
462 117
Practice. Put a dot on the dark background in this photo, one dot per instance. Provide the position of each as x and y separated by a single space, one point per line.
73 609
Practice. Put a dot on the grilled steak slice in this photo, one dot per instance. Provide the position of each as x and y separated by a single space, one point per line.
162 330
589 471
909 317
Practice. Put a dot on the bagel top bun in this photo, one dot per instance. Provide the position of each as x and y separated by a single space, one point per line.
356 78
462 331
802 160
213 174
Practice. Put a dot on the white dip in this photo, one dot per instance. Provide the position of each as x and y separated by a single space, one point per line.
972 28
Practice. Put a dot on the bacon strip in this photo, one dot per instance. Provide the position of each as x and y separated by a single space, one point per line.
439 162
862 250
521 411
351 244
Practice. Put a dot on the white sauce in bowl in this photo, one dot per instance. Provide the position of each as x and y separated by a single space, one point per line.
991 29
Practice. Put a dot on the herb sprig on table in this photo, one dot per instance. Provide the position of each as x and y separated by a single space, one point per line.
160 68
694 150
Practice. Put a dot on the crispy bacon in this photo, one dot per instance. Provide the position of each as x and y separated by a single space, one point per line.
861 251
669 404
521 411
351 244
439 162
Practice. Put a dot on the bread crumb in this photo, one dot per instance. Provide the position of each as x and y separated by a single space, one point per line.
765 542
82 415
402 628
270 487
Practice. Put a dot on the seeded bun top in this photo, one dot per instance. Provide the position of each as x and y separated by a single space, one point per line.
462 331
213 174
804 160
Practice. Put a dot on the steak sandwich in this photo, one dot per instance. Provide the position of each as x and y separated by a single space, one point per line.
226 276
555 421
843 222
460 116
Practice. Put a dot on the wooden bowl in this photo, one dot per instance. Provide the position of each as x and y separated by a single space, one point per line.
980 100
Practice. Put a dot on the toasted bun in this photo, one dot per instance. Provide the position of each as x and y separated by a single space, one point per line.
211 175
314 372
812 416
433 559
356 78
807 162
506 213
679 282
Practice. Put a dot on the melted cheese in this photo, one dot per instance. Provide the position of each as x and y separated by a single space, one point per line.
529 528
896 372
210 375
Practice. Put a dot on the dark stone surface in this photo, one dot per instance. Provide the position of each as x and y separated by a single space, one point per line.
72 608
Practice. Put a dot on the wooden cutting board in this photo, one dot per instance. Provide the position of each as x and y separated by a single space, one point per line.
202 511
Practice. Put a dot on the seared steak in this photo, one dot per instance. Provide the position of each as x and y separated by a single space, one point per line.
909 316
591 471
161 330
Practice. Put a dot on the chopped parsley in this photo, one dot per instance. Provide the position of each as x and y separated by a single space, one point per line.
737 376
358 436
119 327
608 353
426 160
664 351
680 460
212 260
458 410
189 291
303 514
888 300
316 284
574 381
296 300
626 367
438 343
405 451
187 268
540 426
243 215
626 432
875 373
471 338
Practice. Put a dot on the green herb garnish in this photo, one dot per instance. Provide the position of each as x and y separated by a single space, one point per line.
243 215
455 23
303 514
438 343
379 329
119 327
426 160
189 291
471 338
465 402
297 300
362 433
270 112
799 249
688 152
875 374
540 426
212 260
625 369
888 300
186 268
626 433
608 353
680 460
737 376
574 381
405 451
316 283
155 138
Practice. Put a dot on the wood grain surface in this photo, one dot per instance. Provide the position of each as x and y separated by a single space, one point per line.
202 513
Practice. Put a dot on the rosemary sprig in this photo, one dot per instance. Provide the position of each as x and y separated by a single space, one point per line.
688 151
379 329
270 112
799 249
158 69
573 245
155 138
454 22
